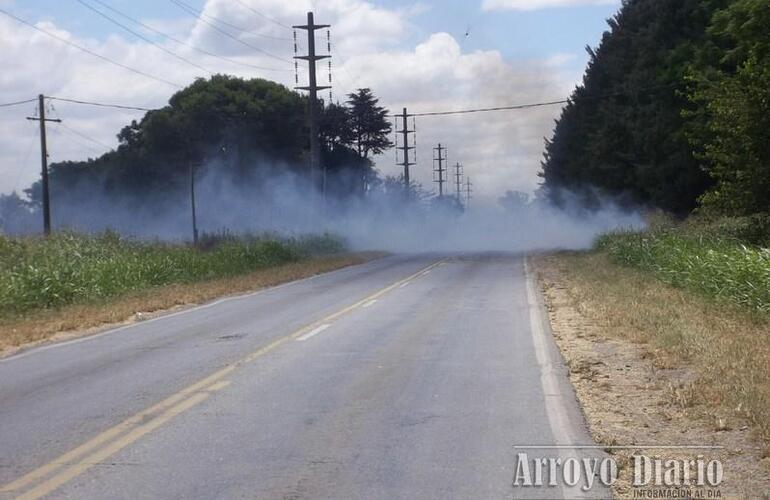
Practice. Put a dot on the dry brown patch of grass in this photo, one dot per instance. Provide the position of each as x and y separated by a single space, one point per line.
728 347
655 364
83 319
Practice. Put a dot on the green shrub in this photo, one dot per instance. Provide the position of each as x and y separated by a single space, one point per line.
706 262
750 230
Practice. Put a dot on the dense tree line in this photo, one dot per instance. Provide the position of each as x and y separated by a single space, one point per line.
672 111
254 128
246 132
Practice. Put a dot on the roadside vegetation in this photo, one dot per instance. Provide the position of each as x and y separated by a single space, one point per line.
726 258
727 346
656 364
720 320
673 111
43 273
72 285
669 328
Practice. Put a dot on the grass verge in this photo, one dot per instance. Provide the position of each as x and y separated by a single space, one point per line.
82 319
661 363
709 259
44 273
73 283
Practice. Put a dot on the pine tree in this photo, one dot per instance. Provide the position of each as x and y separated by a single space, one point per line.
370 125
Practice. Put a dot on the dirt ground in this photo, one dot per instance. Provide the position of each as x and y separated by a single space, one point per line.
633 395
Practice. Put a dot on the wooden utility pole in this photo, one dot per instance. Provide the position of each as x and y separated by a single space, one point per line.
44 163
312 89
439 157
406 148
192 204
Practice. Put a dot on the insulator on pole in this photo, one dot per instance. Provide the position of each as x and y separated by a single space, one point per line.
395 132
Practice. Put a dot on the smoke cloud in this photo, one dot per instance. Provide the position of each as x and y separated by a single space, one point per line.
281 203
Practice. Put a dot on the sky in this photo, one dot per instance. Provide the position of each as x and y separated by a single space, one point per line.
425 55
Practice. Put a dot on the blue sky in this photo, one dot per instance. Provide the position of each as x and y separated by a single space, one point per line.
516 34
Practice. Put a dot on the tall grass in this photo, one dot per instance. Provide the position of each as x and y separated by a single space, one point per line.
705 262
69 268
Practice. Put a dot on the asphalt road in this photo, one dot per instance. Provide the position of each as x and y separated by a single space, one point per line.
407 377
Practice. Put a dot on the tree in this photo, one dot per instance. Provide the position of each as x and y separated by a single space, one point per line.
257 122
245 137
370 127
623 133
514 201
731 92
16 215
336 130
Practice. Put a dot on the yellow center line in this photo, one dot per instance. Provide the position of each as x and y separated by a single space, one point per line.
133 428
114 432
103 453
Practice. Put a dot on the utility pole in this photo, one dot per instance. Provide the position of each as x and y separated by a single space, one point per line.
44 163
406 148
192 204
468 191
312 89
439 157
459 182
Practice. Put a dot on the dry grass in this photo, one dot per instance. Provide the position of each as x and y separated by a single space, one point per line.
654 365
82 319
727 348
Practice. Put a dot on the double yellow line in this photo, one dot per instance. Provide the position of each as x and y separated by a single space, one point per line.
49 477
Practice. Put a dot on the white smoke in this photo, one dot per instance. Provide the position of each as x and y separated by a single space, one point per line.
280 203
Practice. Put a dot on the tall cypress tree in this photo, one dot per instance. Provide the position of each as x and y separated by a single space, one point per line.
623 133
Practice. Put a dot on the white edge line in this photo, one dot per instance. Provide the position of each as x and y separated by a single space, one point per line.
404 284
624 447
54 344
369 304
313 332
550 377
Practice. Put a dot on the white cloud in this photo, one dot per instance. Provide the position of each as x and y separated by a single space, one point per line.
500 151
539 4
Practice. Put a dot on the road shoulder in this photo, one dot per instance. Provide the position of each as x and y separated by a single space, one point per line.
633 394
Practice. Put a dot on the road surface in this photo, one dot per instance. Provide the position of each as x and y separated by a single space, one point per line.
407 377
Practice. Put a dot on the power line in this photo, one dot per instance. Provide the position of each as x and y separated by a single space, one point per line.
186 44
80 134
343 64
84 136
202 17
23 163
142 37
487 110
17 103
99 104
548 103
75 132
260 14
90 52
226 23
